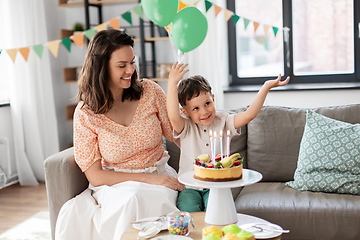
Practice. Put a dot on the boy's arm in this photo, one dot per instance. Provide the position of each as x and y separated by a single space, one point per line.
244 118
176 74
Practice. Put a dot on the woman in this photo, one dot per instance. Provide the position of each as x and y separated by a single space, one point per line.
118 128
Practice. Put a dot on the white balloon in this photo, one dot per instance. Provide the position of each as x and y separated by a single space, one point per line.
189 1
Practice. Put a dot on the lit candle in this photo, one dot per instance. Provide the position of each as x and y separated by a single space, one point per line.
211 147
221 145
228 143
214 147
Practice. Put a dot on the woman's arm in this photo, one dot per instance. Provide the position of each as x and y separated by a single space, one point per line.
244 118
97 177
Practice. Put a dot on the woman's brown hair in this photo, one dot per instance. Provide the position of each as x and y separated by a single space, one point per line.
93 82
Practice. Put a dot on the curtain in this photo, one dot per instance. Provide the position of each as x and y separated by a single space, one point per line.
22 23
210 59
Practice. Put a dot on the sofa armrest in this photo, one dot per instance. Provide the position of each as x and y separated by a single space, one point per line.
64 180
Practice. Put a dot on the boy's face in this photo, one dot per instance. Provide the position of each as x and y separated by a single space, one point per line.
200 109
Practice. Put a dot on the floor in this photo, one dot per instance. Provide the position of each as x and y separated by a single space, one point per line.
18 203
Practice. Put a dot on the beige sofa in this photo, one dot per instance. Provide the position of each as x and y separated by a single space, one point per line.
270 145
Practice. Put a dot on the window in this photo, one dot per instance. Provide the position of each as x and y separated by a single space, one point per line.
310 41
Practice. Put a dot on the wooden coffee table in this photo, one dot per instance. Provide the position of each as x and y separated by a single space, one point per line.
199 223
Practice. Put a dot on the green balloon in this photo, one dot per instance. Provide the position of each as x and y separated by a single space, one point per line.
160 12
189 29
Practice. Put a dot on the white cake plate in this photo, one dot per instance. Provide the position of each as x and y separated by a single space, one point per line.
221 207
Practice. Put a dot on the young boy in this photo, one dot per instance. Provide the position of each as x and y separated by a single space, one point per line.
197 104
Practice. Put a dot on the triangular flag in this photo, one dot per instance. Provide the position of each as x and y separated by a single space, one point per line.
168 28
127 17
78 39
114 23
101 27
39 50
25 52
139 11
89 33
67 43
53 46
246 22
12 54
256 25
227 14
235 18
181 5
217 10
207 5
275 29
266 29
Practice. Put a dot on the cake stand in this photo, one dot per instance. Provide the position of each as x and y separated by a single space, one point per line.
221 209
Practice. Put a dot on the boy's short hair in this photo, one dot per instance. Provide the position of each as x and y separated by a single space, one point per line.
191 87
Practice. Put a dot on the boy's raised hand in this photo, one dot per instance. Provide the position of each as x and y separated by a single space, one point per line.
177 72
277 82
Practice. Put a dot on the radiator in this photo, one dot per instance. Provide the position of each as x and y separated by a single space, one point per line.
7 177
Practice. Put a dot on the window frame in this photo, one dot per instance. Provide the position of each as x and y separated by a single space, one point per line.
304 81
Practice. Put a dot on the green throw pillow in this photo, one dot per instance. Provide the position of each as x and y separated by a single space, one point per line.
329 156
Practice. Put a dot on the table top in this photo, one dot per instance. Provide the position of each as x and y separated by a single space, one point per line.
249 177
199 223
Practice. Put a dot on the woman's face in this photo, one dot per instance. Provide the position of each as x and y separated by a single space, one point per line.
121 68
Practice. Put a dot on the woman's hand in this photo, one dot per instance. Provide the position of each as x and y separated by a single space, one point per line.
177 72
276 82
167 181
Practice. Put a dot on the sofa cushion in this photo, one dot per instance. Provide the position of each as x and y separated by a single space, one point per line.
273 142
275 134
308 215
329 157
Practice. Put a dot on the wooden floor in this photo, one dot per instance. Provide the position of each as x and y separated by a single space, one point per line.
18 203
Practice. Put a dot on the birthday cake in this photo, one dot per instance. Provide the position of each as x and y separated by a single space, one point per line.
229 232
223 169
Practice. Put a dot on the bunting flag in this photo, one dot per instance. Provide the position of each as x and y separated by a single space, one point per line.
246 22
217 9
228 14
114 23
235 18
38 50
266 29
275 29
168 28
256 25
100 27
207 5
25 52
181 5
53 46
78 39
139 11
67 43
12 54
89 33
127 17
